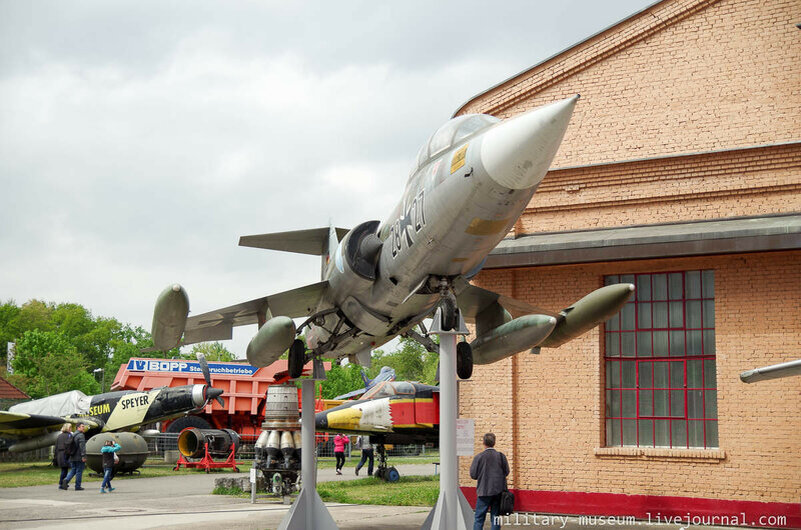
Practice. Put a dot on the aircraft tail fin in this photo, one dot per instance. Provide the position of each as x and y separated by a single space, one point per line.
365 378
330 247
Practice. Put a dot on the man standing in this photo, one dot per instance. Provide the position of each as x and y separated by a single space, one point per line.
490 468
78 458
363 442
62 458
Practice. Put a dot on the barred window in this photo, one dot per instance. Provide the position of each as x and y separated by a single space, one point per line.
661 387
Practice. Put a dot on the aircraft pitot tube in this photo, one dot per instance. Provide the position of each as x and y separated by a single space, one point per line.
500 337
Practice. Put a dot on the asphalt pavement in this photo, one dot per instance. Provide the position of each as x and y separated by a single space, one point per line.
186 502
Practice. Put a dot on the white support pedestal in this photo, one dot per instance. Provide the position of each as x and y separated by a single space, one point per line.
308 510
452 511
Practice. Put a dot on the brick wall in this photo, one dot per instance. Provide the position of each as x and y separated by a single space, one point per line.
558 400
684 76
690 110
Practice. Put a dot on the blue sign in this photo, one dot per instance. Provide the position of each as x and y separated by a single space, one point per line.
192 367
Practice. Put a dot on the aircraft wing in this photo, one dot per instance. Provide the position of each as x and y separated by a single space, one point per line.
219 324
473 300
19 425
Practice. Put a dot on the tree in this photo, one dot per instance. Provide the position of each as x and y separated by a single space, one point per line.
213 351
341 379
47 363
411 362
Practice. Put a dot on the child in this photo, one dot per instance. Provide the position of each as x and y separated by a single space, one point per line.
108 451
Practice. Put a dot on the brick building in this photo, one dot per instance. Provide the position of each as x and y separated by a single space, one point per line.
680 173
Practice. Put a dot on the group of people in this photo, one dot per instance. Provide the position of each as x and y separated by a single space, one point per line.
70 456
363 443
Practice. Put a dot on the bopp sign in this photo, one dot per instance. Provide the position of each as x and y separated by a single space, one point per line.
150 365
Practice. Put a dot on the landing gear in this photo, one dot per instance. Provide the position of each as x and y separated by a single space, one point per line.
385 473
450 313
297 358
464 360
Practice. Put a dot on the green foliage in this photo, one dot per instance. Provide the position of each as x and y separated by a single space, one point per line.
341 380
411 362
84 343
213 351
234 491
47 363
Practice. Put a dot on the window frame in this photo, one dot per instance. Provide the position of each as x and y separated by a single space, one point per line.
620 385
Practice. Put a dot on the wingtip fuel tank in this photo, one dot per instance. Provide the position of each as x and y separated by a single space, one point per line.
169 317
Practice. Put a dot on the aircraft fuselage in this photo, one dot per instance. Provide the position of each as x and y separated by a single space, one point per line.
460 201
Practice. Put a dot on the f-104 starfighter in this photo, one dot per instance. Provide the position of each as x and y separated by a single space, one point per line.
469 184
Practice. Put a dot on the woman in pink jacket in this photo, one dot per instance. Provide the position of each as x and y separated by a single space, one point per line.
339 451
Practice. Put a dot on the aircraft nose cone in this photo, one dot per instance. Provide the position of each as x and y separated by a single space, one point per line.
321 421
517 153
213 393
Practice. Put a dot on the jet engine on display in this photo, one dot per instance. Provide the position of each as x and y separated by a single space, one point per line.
469 184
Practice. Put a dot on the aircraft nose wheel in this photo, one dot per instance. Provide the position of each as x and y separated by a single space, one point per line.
450 312
464 360
297 358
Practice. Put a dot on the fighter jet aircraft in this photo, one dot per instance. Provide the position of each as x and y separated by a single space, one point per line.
396 412
37 423
469 184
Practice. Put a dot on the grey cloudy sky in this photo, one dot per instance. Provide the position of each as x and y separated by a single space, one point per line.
140 139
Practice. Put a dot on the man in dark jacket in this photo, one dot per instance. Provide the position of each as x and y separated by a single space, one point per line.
78 458
490 468
62 460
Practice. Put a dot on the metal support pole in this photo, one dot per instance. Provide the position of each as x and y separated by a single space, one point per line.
452 511
308 510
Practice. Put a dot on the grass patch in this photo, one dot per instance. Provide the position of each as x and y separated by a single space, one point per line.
18 474
233 491
408 491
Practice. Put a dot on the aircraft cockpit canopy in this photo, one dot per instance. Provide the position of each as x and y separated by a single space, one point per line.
389 388
452 133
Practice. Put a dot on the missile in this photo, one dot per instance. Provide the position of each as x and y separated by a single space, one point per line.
596 307
515 336
169 317
271 341
775 371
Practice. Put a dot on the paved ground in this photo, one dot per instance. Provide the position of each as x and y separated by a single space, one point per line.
185 502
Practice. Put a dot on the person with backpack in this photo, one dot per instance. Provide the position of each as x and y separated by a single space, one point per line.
490 468
77 458
61 458
109 452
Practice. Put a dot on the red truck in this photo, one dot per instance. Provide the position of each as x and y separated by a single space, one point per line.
244 390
